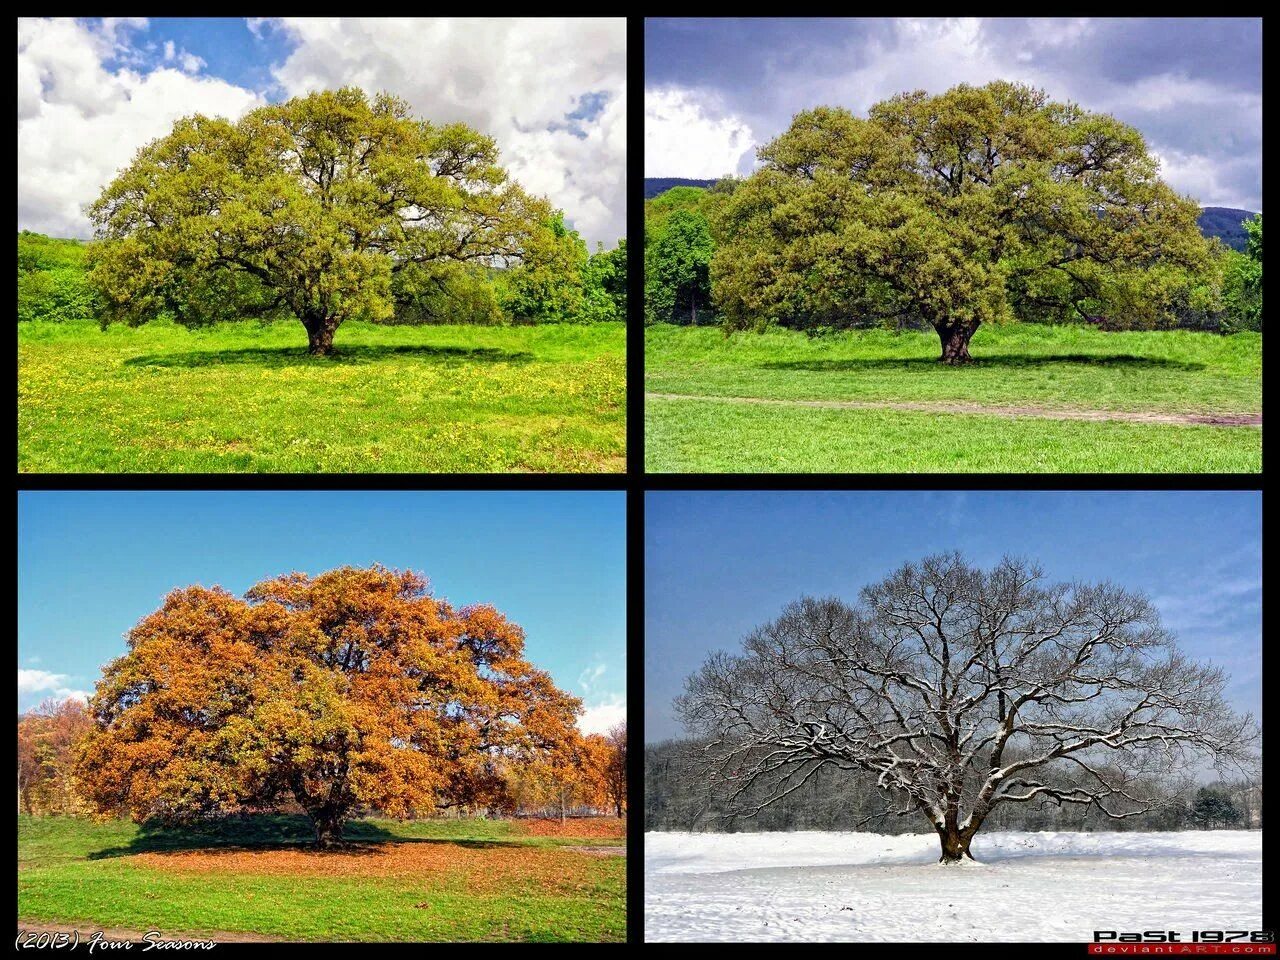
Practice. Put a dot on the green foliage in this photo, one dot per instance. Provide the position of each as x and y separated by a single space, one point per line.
558 282
52 284
311 206
677 269
675 200
956 210
1242 282
59 294
605 285
547 286
38 252
445 293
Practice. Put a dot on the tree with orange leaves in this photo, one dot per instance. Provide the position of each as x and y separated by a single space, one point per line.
615 767
354 689
48 737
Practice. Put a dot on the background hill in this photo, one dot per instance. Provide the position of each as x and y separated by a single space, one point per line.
1225 224
656 185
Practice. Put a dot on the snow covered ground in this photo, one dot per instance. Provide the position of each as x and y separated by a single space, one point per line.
1027 886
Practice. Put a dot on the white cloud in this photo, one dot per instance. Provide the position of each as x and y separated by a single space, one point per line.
599 717
190 62
516 80
686 135
37 685
80 122
168 50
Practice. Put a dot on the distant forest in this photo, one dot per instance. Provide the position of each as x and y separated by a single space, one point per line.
1225 223
676 798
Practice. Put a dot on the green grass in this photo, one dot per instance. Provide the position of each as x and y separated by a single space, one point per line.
1177 372
246 397
80 872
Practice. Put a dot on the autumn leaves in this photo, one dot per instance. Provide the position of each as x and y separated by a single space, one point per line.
352 691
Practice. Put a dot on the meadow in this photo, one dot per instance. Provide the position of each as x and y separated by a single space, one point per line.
1037 399
246 397
258 878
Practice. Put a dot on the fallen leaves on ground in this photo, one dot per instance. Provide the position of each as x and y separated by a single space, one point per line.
593 827
478 868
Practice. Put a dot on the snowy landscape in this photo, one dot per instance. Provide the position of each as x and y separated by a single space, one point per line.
1045 887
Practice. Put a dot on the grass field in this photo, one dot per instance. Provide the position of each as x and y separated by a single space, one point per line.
406 881
1030 375
247 397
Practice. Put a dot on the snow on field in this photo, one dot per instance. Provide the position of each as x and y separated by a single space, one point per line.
1027 886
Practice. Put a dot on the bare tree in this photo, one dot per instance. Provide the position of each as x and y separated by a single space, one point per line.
960 690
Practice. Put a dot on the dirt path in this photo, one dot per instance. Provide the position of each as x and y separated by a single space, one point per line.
86 930
1047 413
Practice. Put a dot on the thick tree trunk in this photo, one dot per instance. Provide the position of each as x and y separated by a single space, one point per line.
955 842
955 339
328 828
320 331
617 806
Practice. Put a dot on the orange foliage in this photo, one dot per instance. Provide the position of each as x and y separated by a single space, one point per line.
352 689
596 827
493 869
47 739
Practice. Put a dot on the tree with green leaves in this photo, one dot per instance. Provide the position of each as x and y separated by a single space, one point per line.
677 269
605 284
1242 282
548 285
307 208
955 210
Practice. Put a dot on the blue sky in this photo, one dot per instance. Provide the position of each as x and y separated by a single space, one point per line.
92 564
716 89
550 91
718 564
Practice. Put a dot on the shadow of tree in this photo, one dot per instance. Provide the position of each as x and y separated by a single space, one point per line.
265 831
980 361
355 354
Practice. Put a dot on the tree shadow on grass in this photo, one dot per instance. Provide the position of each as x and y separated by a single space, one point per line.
991 361
356 354
265 831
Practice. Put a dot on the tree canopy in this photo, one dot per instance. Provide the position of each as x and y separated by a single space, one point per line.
959 690
977 205
307 208
348 690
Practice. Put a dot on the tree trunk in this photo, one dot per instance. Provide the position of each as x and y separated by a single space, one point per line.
617 806
320 331
328 827
955 339
955 842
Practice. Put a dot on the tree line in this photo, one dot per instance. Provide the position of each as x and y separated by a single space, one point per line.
979 205
354 691
676 798
324 208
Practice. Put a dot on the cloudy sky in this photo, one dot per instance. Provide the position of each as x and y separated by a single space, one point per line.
552 561
552 92
717 89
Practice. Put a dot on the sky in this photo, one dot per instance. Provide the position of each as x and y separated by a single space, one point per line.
551 91
715 90
92 564
718 564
